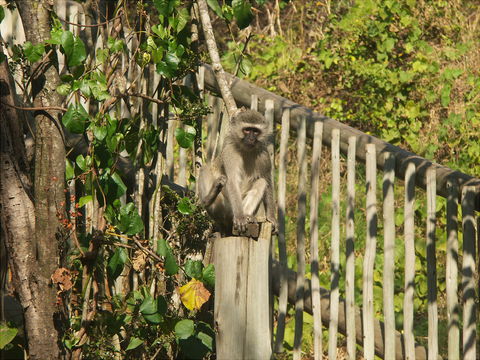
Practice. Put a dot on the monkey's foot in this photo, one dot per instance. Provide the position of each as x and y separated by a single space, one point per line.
220 182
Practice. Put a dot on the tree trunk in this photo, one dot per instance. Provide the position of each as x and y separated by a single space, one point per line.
33 241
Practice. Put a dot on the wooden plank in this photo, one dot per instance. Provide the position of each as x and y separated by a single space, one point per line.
389 255
453 314
370 250
282 245
269 110
242 91
469 274
409 234
432 266
335 247
301 213
350 252
241 302
420 351
254 103
169 152
314 197
213 122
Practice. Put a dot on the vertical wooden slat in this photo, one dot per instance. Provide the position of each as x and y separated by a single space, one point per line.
350 251
389 255
432 265
282 246
370 249
269 116
470 293
335 246
201 81
409 230
213 121
453 315
301 213
170 143
314 195
254 103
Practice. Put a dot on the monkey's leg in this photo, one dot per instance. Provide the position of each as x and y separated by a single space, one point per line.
254 197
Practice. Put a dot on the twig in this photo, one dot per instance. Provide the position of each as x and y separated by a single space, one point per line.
85 25
237 66
146 97
43 108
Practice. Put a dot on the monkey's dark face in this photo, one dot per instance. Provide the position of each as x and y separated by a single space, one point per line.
250 135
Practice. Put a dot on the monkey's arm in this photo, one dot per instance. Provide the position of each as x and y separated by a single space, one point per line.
216 188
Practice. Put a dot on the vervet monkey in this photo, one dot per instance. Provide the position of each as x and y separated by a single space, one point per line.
234 184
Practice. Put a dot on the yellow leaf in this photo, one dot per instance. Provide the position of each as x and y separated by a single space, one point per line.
194 294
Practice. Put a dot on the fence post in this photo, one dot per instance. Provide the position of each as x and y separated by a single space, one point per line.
242 320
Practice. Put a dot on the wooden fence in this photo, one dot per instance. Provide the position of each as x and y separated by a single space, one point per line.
324 281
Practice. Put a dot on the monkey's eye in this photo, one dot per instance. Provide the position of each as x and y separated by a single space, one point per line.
251 130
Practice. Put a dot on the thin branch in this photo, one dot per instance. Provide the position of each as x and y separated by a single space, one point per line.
43 108
215 57
146 97
93 25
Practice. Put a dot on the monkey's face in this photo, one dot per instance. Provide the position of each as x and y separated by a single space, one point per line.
250 135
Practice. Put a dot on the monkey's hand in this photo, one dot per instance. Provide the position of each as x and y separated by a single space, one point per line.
240 223
271 219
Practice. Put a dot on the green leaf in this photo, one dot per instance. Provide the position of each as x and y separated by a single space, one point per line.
206 340
183 18
115 45
193 268
2 13
242 12
116 262
184 329
134 343
75 118
208 275
215 7
130 222
69 170
149 310
162 247
74 48
162 7
185 206
64 89
186 136
32 52
445 95
171 267
84 200
80 160
7 334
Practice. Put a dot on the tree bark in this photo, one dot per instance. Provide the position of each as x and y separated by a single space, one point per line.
33 228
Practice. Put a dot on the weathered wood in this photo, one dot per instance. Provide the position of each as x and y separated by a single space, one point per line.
432 266
242 91
389 255
314 196
213 124
282 246
241 296
370 252
419 350
469 274
169 153
409 235
254 104
301 213
453 314
335 247
350 252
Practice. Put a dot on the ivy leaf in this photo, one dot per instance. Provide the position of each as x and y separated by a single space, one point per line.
130 222
186 136
215 7
171 266
84 200
206 340
183 18
242 12
75 118
194 294
134 343
64 89
185 206
208 275
74 48
161 6
7 334
69 170
193 268
2 14
80 161
149 310
116 262
184 329
32 52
